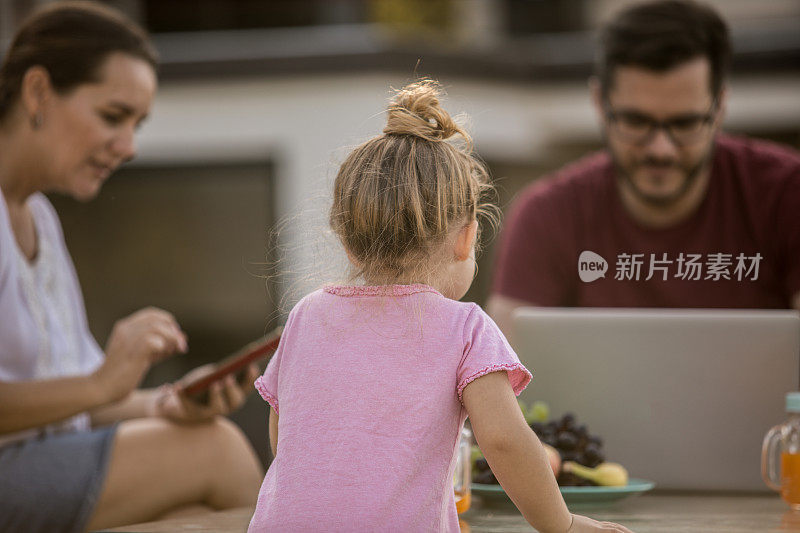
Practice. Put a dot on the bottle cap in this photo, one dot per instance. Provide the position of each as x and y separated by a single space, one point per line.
793 402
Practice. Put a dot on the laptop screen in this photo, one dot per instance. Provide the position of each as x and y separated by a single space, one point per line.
680 397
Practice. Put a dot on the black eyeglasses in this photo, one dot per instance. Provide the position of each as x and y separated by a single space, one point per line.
639 128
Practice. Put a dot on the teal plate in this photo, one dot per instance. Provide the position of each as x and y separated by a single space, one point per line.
574 496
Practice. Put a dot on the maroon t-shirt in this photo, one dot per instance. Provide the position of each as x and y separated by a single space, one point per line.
568 241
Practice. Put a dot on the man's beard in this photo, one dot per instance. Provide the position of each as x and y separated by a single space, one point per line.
690 175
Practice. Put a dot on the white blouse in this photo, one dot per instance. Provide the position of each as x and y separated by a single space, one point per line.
43 328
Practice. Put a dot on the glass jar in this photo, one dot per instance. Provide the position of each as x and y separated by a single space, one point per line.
781 449
462 476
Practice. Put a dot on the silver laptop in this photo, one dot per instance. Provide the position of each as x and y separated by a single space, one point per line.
680 397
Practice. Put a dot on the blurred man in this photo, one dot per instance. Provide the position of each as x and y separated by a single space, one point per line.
673 213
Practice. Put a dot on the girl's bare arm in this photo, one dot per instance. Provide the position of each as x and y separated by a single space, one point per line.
273 431
514 453
518 459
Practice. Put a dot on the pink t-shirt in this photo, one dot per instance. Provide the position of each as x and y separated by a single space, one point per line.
367 384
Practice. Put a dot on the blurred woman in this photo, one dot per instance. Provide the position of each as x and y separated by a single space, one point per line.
76 83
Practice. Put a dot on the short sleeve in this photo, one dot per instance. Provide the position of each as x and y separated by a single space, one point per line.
486 350
267 383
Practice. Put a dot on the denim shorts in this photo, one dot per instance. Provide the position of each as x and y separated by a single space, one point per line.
52 483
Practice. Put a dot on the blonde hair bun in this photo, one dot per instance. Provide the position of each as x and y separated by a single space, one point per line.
415 110
398 195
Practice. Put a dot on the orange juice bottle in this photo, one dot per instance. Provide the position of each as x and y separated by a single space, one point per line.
783 442
462 476
790 478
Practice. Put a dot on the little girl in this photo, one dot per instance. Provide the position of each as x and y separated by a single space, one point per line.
372 383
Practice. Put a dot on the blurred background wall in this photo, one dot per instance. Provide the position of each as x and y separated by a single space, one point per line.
261 99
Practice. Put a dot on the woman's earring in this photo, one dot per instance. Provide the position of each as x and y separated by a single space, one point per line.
36 120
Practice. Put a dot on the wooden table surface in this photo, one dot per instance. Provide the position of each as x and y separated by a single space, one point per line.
657 512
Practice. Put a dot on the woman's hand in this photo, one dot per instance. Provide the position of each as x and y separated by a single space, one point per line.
136 342
224 396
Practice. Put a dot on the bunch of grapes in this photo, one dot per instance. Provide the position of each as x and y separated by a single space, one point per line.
574 443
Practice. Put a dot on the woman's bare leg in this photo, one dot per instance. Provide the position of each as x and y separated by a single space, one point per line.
157 467
189 510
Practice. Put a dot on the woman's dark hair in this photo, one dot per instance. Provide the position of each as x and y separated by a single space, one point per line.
661 35
70 40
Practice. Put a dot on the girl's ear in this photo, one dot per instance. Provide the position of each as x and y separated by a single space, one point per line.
465 240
